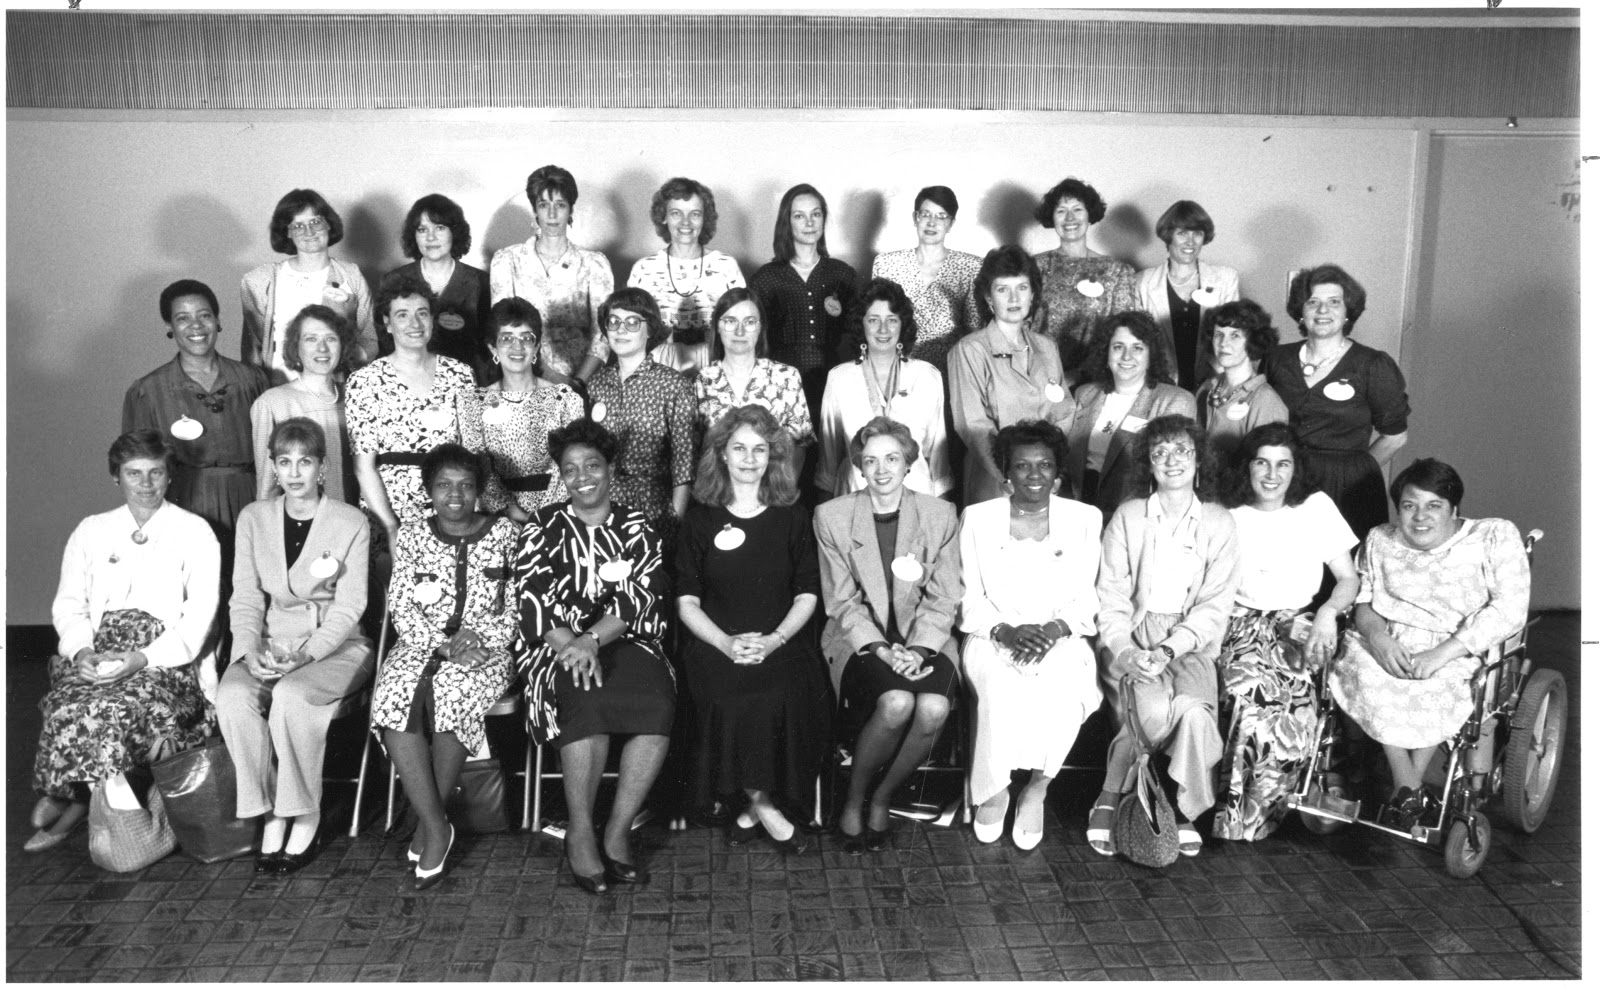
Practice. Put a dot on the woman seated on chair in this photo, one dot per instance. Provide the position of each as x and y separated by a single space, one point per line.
1288 532
1028 561
454 617
1437 592
592 580
748 583
891 580
1169 570
137 596
299 588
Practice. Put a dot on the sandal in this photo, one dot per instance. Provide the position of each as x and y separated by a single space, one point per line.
1100 837
1189 842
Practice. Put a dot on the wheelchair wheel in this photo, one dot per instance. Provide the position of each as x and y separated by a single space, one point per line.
1459 858
1333 786
1533 754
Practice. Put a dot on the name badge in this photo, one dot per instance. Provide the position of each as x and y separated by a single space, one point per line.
1204 297
497 414
598 413
324 566
1054 392
187 429
1091 288
1237 411
1339 391
831 304
437 419
1133 424
906 568
729 538
615 571
428 592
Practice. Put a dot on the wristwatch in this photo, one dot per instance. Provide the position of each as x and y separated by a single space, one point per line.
1168 650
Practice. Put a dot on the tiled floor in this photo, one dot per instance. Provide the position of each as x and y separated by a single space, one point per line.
940 906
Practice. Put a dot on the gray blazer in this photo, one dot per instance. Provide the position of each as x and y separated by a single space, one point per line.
288 604
853 589
1116 474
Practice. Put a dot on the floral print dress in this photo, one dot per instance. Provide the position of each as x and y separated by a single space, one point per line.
443 584
515 426
772 385
1077 292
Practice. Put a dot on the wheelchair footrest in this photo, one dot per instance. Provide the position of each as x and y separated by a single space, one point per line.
1327 805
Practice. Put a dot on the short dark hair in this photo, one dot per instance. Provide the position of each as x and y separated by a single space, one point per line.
1431 475
399 287
291 204
140 444
882 290
1006 261
640 303
884 426
1355 297
299 432
1260 336
731 298
1070 188
552 178
1185 214
452 455
684 188
1025 432
1164 429
783 234
1096 362
1239 491
941 195
328 317
187 286
444 211
582 432
711 483
513 310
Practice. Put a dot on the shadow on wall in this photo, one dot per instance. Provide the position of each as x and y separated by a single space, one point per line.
511 224
372 236
1285 235
1007 211
225 234
862 214
632 233
1123 233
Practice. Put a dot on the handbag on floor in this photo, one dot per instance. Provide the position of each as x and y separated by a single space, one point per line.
1146 829
199 789
478 803
128 840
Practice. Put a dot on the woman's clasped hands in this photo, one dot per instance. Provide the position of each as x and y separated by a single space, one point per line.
1029 643
101 668
581 657
750 648
904 661
272 661
1147 664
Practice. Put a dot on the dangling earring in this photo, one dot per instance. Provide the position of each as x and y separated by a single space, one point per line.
858 359
494 357
899 353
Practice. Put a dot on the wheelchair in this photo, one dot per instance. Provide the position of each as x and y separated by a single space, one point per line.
1510 747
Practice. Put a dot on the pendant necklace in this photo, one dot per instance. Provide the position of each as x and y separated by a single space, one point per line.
699 274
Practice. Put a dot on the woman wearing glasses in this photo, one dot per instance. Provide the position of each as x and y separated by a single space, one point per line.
1339 394
303 226
1169 570
649 407
937 279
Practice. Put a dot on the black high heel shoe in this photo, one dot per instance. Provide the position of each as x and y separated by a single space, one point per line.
267 863
878 841
738 834
795 844
429 878
623 873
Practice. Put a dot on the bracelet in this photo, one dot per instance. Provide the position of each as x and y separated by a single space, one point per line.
994 633
781 637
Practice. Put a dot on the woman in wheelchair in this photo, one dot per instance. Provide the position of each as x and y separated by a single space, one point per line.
1169 572
891 581
454 619
1028 563
1288 532
1437 591
592 580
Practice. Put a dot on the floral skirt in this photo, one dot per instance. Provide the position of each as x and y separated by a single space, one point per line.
460 694
93 732
1408 714
1271 713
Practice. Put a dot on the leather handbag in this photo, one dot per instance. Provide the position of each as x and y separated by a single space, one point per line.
128 840
199 789
1146 830
478 803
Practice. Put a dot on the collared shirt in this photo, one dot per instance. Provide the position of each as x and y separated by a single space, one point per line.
1176 559
167 395
993 386
567 293
1226 420
772 385
807 316
651 413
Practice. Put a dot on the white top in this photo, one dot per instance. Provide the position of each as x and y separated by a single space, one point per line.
917 400
1112 412
1177 557
295 291
1023 581
1281 553
686 292
173 576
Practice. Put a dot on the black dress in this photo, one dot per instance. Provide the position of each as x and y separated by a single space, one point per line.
1334 420
766 726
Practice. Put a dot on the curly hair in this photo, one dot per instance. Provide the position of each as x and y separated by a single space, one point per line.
1069 188
1026 432
712 485
400 287
882 290
1355 297
582 432
140 444
1096 365
729 299
1239 492
884 426
1260 336
327 317
452 455
682 188
1431 475
1165 429
289 206
640 303
444 211
298 432
1006 261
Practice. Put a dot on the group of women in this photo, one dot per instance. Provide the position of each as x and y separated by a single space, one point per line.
586 458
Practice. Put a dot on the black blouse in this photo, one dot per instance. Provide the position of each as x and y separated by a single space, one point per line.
1363 391
807 316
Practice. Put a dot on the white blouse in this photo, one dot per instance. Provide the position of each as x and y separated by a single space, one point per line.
917 401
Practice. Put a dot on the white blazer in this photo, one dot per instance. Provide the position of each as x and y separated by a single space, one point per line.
1151 286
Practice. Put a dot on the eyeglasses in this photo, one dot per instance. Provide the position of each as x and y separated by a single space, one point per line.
927 216
630 323
1172 455
314 225
734 322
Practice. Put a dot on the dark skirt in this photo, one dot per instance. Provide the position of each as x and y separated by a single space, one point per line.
636 697
1355 483
866 678
763 727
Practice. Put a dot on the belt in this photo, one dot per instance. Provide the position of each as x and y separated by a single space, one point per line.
401 459
531 482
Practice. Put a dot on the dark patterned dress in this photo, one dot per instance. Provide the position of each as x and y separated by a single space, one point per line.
652 416
443 584
572 574
515 426
1077 292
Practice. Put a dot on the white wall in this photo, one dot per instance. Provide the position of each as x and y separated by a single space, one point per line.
106 208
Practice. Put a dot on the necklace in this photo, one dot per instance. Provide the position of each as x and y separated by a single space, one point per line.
885 393
700 272
1025 513
1309 369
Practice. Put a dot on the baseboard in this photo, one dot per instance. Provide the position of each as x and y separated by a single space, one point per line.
30 642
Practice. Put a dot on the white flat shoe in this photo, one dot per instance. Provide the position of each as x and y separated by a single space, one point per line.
990 833
48 811
43 839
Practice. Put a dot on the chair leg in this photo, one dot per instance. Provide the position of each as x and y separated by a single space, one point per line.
388 815
361 786
530 782
536 781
